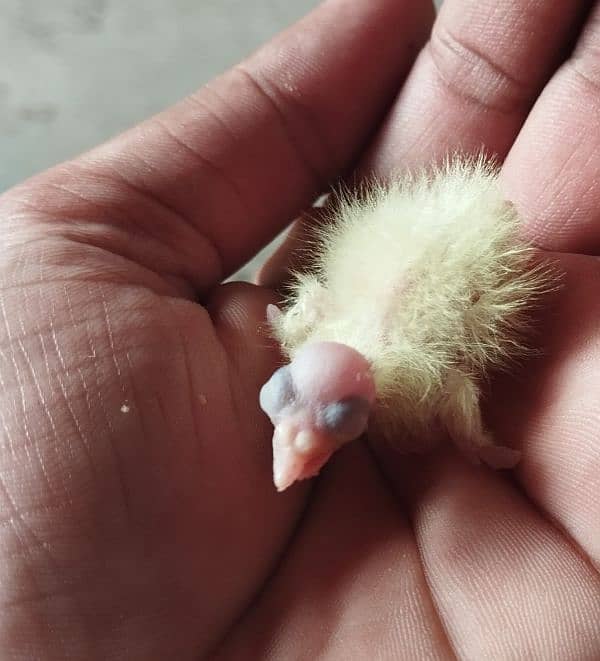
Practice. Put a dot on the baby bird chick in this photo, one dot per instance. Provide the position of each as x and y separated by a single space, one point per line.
416 290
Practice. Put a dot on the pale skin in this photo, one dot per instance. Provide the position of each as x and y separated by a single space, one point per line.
139 519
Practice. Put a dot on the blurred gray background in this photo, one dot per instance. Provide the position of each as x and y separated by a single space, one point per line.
75 72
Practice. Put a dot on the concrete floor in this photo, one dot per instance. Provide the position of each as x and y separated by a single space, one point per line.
78 71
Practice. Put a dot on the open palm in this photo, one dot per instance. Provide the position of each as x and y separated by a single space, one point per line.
139 520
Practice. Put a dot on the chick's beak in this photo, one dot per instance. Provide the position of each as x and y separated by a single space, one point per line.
298 455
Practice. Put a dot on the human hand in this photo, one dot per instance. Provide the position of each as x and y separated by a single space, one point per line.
508 569
140 517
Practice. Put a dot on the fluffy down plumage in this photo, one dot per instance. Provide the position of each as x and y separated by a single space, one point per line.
427 278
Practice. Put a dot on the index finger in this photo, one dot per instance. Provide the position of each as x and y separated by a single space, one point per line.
203 185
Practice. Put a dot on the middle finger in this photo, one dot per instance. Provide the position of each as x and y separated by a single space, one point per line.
476 79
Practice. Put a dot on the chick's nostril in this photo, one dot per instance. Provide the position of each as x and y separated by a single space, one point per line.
278 392
346 419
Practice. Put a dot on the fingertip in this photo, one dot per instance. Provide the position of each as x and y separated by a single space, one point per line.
238 311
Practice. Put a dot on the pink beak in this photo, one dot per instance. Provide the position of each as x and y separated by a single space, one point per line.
297 455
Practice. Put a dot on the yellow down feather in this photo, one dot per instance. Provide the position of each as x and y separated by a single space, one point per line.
428 278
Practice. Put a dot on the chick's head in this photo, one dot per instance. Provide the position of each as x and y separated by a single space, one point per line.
318 402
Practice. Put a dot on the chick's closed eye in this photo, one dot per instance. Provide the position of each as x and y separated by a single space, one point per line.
346 419
278 392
